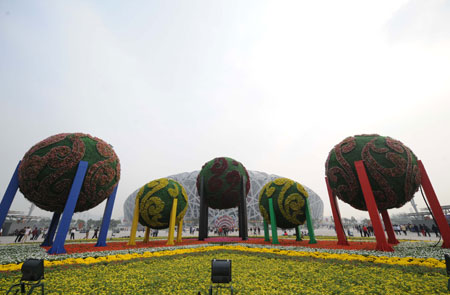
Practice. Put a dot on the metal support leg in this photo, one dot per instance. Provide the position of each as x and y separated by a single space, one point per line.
389 229
51 230
309 223
273 223
298 233
203 222
9 195
382 244
436 208
243 206
173 215
342 239
180 231
134 225
101 242
58 246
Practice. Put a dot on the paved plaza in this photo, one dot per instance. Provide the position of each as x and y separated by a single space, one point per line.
323 231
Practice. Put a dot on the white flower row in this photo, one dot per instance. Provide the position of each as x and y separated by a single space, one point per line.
19 253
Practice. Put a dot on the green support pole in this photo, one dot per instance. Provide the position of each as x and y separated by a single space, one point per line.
298 233
273 223
266 231
312 237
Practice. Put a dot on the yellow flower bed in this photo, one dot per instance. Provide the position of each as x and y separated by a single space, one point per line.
429 262
251 274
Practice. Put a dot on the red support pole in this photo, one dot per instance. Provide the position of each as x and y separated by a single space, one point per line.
382 244
388 226
435 206
342 240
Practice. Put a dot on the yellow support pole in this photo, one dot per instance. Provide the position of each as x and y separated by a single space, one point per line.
147 234
173 214
134 225
180 231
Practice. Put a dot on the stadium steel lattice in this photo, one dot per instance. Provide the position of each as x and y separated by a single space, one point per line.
257 181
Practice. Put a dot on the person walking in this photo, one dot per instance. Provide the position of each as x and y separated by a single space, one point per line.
19 236
426 230
38 233
416 229
72 234
403 228
435 229
87 233
34 233
27 233
95 233
366 232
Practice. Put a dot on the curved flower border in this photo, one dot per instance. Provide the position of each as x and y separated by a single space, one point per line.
86 258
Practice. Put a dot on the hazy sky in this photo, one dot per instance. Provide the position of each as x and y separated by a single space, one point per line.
273 84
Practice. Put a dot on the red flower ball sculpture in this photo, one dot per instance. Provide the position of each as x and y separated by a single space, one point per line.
391 167
222 182
47 171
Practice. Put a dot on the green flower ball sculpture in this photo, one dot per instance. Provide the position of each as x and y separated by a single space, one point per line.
48 169
289 202
222 182
155 202
391 167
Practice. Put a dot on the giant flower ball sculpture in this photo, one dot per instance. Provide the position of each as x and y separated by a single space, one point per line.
222 185
156 200
48 169
391 167
289 202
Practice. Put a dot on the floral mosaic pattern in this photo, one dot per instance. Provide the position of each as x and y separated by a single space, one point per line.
391 167
222 182
289 202
47 171
155 202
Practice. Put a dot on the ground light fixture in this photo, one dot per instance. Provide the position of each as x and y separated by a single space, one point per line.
32 274
220 274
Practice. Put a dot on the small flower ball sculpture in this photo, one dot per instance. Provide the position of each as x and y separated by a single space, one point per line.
156 200
48 169
391 167
222 182
289 202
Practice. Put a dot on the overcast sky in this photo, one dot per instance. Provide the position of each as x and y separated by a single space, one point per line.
272 84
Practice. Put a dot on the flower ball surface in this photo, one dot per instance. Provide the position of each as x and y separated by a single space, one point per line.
391 167
222 182
156 200
48 169
289 202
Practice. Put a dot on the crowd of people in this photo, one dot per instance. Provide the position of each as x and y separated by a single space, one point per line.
399 229
26 232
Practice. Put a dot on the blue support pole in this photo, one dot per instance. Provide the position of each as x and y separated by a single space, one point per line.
51 230
9 195
58 246
101 242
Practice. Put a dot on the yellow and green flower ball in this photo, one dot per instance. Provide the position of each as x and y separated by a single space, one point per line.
156 200
289 202
48 169
391 167
222 184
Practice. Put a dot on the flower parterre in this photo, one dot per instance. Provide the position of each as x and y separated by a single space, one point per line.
253 273
427 262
